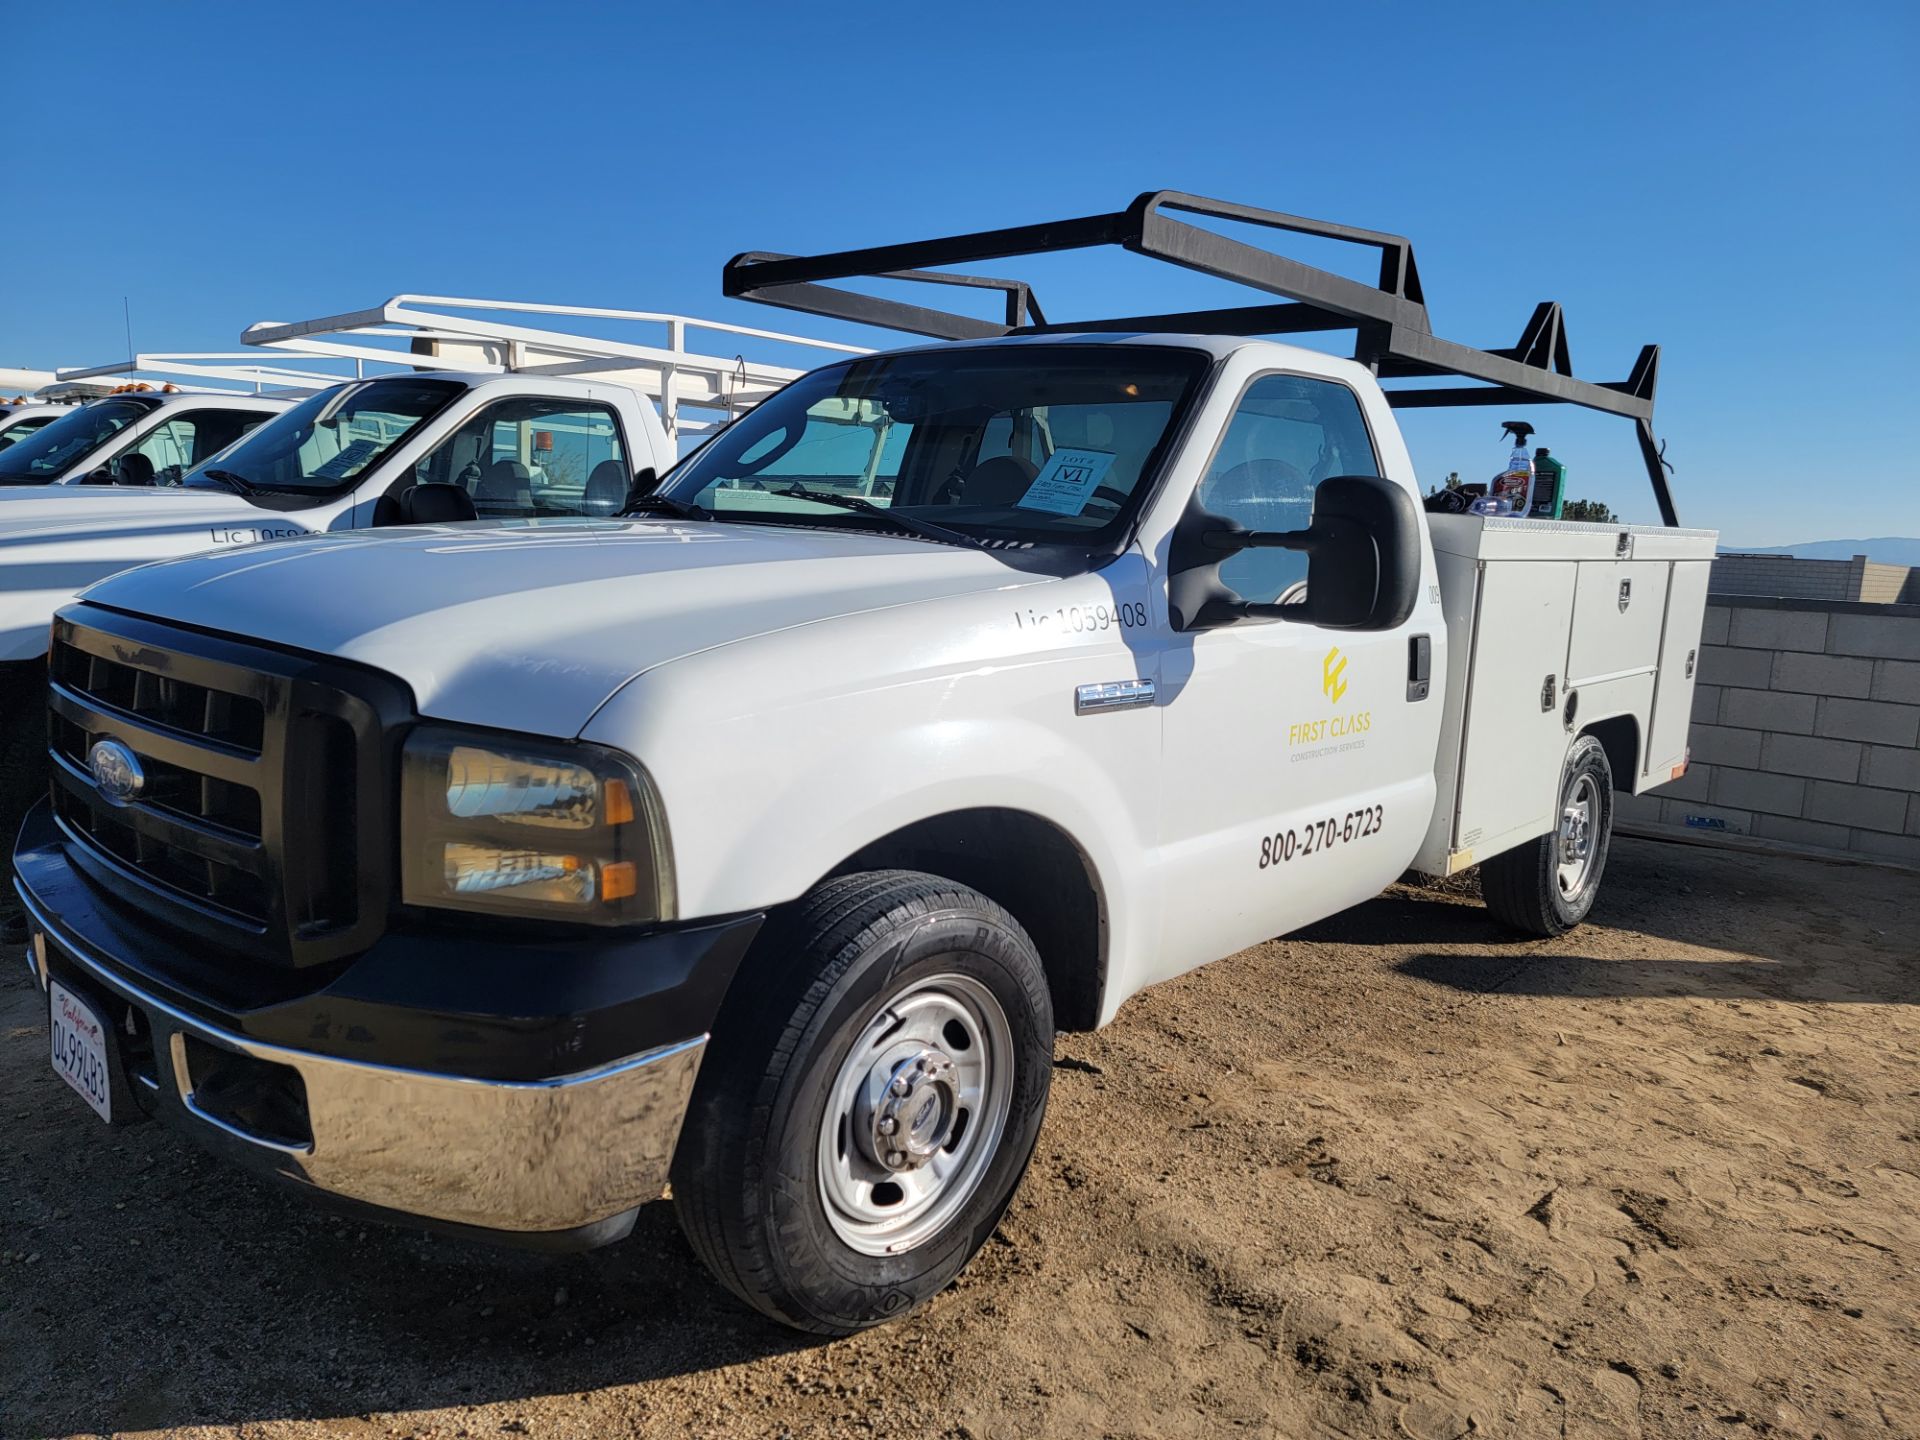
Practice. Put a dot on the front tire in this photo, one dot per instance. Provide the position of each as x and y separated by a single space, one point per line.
1546 886
869 1100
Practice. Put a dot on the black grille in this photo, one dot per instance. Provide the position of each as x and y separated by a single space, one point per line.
259 821
161 699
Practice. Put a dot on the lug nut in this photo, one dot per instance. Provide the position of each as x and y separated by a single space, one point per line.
896 1159
887 1125
899 1086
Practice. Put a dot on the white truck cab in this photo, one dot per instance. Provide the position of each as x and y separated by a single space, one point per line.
761 838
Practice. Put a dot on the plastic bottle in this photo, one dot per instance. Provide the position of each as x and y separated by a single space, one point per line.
1549 485
1515 483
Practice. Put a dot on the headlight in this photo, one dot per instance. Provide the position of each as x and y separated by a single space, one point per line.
514 827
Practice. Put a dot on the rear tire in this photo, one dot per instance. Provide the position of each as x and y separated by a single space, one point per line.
885 1008
1546 886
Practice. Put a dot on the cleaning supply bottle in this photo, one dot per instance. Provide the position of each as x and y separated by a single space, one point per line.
1549 485
1515 483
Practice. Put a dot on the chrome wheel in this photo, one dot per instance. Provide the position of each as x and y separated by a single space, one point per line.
915 1115
1579 820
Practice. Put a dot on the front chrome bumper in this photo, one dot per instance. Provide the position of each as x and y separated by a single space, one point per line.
525 1157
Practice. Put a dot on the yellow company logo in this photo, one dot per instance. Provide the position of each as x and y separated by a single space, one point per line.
1333 671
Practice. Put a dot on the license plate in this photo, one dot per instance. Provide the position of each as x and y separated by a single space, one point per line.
80 1049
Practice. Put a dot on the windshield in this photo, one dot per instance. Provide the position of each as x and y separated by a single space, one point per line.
50 452
326 443
1034 444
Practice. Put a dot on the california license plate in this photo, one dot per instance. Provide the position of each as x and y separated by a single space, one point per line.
80 1049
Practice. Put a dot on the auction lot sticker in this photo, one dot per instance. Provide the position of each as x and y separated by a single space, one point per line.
1067 481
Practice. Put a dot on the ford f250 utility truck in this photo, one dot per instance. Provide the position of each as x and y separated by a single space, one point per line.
506 439
759 840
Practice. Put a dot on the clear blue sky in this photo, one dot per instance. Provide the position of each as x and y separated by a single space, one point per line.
1739 182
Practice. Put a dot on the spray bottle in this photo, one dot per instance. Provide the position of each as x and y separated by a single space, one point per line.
1515 483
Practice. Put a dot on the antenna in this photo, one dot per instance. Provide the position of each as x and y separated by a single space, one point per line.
126 314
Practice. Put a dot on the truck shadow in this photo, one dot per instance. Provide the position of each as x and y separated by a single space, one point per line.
1590 977
171 1292
343 1322
1741 925
1734 926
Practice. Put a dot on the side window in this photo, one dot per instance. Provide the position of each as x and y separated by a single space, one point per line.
530 456
167 449
13 434
215 430
1288 434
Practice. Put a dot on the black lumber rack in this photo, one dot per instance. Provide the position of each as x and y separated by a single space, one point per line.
1392 334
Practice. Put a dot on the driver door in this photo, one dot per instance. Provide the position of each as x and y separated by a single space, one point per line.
1297 776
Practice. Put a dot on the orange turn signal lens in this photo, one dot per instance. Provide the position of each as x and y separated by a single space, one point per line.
619 803
619 881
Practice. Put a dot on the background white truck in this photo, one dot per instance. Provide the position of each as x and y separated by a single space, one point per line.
506 435
150 419
951 696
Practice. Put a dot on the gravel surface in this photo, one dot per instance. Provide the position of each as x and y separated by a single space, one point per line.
1399 1175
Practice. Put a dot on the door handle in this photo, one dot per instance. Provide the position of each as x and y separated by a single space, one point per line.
1419 667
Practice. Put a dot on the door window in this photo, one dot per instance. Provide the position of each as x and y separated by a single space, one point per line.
181 443
535 456
1288 435
15 433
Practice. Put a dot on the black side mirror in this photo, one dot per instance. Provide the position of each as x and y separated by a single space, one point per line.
1363 560
645 481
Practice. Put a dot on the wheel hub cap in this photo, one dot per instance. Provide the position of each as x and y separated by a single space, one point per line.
915 1118
1578 817
915 1113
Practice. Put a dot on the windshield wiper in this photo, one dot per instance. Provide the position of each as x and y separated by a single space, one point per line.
911 525
655 500
227 480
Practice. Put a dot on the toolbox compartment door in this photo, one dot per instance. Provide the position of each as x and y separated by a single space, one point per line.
1666 746
1618 615
1513 744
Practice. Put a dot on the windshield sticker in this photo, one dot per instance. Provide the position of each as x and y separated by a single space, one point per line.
347 461
1067 481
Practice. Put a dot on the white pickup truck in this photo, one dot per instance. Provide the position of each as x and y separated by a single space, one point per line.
760 842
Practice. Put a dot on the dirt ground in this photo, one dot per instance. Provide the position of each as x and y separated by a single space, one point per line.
1396 1176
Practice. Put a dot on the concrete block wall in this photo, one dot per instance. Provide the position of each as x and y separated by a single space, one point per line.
1806 729
1781 575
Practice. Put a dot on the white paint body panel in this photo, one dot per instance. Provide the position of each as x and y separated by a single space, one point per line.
55 540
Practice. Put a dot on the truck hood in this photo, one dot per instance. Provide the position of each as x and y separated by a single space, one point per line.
532 625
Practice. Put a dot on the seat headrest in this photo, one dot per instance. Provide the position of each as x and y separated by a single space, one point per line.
998 482
504 480
135 469
436 505
607 488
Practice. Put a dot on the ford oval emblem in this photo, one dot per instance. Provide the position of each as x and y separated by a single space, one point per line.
116 770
